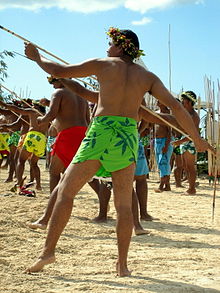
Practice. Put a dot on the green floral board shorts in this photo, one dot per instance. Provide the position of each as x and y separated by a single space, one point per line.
113 140
14 138
176 150
35 142
188 146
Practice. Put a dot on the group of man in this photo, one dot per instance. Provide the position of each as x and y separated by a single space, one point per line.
169 143
108 147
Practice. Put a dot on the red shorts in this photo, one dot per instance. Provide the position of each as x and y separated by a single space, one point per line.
4 152
67 143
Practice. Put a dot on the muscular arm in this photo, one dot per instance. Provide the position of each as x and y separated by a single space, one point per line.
83 69
80 90
20 111
11 125
159 91
53 110
4 112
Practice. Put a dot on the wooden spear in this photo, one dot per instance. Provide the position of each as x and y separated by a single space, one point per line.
217 159
45 51
16 114
13 93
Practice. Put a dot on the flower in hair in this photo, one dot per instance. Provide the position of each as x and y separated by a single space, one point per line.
128 46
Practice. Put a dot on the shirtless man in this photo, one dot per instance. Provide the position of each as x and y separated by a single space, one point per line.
18 127
10 118
163 151
34 143
113 132
71 115
4 138
187 147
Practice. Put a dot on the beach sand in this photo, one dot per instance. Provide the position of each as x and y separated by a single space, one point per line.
181 254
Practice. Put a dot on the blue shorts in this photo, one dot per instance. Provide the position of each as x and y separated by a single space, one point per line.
163 159
141 166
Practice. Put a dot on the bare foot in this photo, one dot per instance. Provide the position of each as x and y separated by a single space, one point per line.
38 188
100 219
141 232
122 271
158 190
8 180
148 217
37 225
40 263
190 192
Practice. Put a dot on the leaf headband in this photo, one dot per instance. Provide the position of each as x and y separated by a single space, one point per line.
189 96
128 46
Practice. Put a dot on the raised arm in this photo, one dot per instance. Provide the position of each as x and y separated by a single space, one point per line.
4 112
18 110
159 91
11 125
80 90
86 68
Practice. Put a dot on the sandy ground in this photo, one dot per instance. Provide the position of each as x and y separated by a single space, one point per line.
182 253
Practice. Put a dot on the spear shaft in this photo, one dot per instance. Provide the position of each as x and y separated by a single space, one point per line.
45 51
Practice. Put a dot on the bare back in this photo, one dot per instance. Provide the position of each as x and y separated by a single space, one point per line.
73 110
122 87
34 126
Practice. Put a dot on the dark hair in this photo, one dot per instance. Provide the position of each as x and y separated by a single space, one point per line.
40 108
190 96
128 40
132 36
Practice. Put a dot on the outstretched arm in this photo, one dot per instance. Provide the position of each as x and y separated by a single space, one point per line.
80 90
159 91
18 110
11 125
3 111
83 69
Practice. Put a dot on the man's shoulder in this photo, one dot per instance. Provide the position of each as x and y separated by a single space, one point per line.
196 116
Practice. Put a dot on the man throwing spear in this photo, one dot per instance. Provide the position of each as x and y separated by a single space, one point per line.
112 140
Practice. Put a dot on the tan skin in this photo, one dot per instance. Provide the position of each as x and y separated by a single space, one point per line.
68 110
189 159
19 124
9 118
24 155
122 87
178 169
104 193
